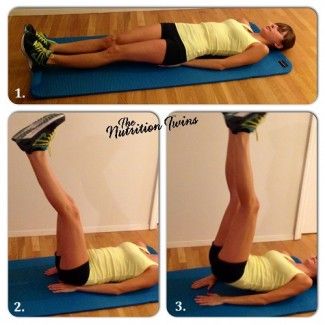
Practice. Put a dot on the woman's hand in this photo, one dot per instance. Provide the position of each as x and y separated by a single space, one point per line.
208 281
211 299
51 271
61 287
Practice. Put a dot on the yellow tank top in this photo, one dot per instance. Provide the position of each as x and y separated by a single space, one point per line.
267 272
220 39
116 264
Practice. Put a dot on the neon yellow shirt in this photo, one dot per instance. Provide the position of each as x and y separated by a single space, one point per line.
211 38
267 272
116 264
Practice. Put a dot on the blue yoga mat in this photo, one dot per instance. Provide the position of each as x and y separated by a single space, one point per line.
128 76
181 299
29 295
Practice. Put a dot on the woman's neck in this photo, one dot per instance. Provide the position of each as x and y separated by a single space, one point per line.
260 38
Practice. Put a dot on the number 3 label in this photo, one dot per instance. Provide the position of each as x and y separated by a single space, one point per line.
179 306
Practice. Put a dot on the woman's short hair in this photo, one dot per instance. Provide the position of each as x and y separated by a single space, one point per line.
289 38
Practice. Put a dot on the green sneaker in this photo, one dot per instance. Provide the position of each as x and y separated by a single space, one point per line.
41 37
38 135
35 52
247 123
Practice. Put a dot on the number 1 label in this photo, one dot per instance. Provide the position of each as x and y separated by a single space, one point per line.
18 93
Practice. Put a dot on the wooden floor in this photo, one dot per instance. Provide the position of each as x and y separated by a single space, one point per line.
40 246
297 87
192 257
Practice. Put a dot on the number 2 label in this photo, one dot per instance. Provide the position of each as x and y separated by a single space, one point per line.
18 308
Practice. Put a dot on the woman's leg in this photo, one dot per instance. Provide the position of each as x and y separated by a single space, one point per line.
237 245
229 214
71 242
59 248
152 51
58 253
234 203
84 46
139 34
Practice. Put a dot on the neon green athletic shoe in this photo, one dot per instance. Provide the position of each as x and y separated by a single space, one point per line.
247 123
41 37
35 52
38 135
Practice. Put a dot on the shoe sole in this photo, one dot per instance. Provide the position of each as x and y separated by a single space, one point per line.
237 123
22 47
38 126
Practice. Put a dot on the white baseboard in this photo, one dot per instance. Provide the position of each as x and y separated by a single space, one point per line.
257 239
110 228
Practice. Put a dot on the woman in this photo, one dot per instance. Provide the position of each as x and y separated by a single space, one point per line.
274 275
164 44
110 270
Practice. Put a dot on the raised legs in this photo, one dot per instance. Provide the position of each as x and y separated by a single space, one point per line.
71 245
237 229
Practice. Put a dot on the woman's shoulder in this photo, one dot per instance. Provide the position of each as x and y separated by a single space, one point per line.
259 47
303 279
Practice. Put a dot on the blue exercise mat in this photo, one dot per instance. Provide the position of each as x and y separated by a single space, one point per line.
29 295
128 76
180 299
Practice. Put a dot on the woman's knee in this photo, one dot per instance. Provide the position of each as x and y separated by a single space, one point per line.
70 210
120 39
108 41
114 49
251 206
234 199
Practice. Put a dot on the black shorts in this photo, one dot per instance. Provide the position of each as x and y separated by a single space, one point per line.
77 276
225 271
175 51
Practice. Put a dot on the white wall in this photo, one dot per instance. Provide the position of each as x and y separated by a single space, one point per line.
307 213
111 180
197 193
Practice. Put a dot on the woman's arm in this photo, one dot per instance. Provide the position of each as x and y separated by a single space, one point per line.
299 284
145 280
107 288
253 54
